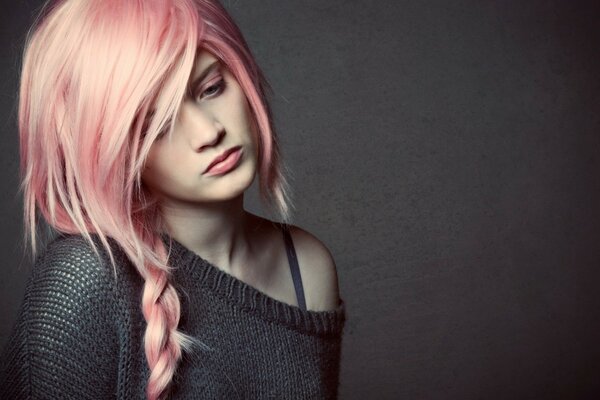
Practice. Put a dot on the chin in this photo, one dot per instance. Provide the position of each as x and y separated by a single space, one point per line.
234 184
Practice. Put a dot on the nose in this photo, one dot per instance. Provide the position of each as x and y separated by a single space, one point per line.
206 131
214 141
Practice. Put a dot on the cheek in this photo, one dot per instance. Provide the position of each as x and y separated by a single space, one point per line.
254 134
239 113
247 121
157 167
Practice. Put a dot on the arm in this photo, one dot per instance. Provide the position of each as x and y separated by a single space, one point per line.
64 344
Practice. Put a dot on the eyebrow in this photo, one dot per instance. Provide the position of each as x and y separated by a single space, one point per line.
207 70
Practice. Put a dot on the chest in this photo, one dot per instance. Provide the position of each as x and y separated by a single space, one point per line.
270 271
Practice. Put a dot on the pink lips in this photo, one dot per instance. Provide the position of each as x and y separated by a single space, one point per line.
224 162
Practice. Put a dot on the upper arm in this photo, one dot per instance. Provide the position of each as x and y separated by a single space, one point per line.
317 269
64 344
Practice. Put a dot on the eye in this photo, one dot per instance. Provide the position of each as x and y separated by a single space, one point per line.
214 89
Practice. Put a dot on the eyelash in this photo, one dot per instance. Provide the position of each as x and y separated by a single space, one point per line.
220 85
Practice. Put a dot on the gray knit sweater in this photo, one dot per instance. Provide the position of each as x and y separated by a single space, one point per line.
79 334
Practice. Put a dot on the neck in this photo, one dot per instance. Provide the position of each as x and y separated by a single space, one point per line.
218 232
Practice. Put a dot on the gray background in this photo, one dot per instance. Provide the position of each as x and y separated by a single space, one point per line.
448 155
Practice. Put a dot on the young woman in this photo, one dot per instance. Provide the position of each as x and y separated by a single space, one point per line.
142 123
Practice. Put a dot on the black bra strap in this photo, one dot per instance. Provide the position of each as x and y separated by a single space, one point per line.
295 269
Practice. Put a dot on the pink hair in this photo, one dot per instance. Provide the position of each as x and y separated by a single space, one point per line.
94 73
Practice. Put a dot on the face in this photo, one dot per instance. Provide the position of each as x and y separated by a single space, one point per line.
213 119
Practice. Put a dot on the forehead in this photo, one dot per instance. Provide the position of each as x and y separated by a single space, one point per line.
203 60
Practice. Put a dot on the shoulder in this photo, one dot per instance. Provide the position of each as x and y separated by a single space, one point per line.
68 322
79 277
70 273
318 270
70 283
73 258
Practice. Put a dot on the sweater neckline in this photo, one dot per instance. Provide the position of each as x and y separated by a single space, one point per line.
248 298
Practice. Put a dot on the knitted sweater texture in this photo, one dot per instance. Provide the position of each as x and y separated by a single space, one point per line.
79 334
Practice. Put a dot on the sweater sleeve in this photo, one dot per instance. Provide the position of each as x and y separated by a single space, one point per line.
64 344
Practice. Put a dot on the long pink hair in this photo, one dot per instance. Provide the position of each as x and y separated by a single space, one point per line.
95 75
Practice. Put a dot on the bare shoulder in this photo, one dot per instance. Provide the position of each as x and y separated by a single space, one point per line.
318 270
317 266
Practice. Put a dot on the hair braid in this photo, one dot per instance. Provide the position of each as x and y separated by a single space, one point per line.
162 341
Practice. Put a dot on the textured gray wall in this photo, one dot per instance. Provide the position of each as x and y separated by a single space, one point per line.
448 155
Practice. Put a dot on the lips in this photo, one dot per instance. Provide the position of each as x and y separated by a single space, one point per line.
221 157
